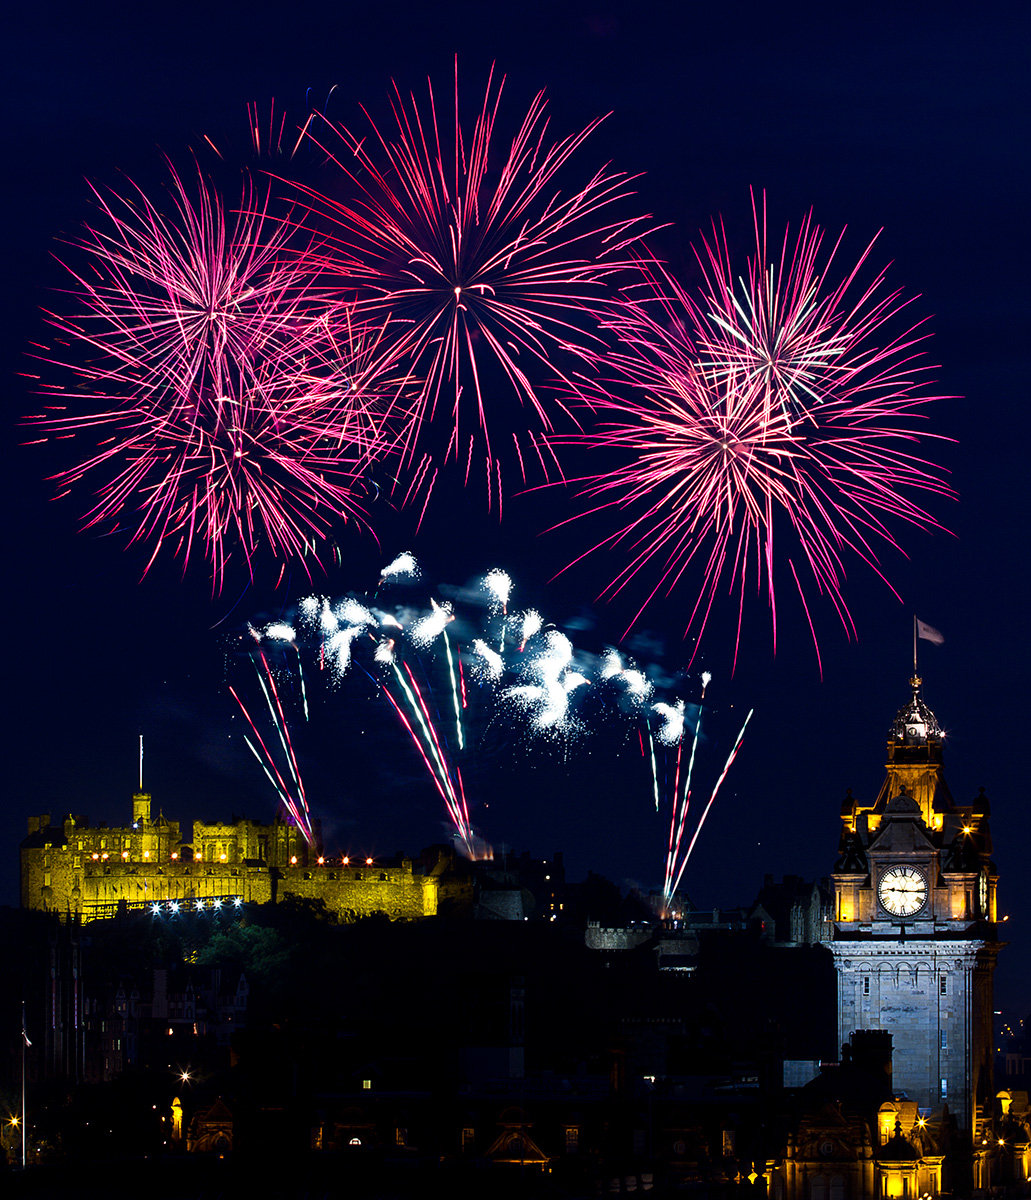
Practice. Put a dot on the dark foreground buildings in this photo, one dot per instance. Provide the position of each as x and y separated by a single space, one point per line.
241 1000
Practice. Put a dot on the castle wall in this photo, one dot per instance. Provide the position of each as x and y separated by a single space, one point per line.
93 872
352 892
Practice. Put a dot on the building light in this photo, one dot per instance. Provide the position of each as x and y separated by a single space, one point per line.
125 854
345 860
293 860
322 861
146 854
174 856
222 857
238 901
96 856
368 862
156 909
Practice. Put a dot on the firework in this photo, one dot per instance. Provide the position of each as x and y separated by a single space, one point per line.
552 680
718 446
667 782
188 301
276 756
219 408
402 567
786 325
445 773
470 247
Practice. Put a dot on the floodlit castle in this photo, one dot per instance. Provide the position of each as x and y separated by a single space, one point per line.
76 869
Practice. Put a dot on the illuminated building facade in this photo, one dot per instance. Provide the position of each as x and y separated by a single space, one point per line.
73 868
914 926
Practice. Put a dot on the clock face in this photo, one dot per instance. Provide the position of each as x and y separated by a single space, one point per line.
902 891
982 892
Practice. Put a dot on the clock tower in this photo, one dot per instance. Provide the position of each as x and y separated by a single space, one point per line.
914 924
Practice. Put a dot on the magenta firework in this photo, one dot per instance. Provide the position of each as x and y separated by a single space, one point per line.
756 429
466 240
222 412
180 296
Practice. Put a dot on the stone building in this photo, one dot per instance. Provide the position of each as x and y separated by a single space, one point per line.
914 925
91 872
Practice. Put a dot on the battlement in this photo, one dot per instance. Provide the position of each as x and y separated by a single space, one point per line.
92 872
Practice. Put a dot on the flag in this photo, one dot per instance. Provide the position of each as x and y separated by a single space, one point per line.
25 1036
928 633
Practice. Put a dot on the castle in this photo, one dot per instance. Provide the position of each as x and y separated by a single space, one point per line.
88 872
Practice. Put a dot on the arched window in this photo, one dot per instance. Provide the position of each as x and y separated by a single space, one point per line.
839 1190
818 1187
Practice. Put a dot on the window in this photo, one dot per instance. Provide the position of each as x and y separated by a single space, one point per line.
866 985
944 1040
943 985
467 1138
367 1085
572 1139
401 1136
945 1088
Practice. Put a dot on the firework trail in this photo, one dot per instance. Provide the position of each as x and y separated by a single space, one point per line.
281 632
680 862
470 247
673 781
739 452
220 410
446 775
286 780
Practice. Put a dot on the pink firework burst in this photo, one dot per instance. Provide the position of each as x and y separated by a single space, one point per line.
181 292
273 464
719 448
484 266
786 325
220 408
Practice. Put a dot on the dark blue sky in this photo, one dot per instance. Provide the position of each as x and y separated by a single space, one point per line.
909 117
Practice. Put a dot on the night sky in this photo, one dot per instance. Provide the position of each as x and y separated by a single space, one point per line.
906 117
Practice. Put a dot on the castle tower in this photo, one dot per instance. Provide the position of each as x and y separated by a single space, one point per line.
141 809
914 932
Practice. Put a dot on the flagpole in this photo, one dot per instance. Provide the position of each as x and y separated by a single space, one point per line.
24 1043
914 644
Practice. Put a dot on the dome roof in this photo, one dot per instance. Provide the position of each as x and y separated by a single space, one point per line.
914 722
902 803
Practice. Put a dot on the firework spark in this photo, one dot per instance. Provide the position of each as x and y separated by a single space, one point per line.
219 408
552 681
720 450
194 297
472 249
